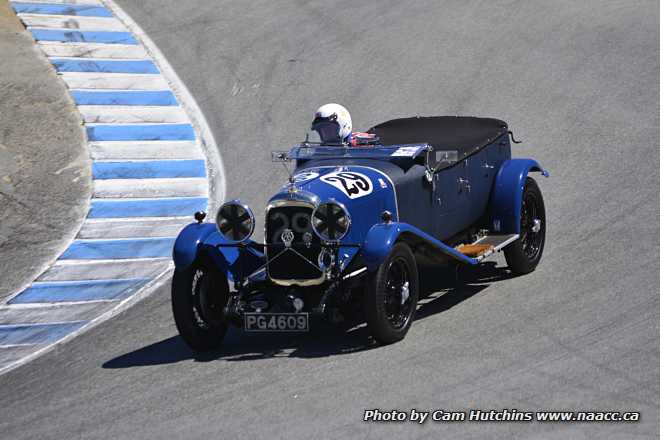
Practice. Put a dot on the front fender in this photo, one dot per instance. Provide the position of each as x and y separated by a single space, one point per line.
234 261
506 199
383 236
186 246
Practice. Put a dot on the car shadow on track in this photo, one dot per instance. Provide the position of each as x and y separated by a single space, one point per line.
440 291
444 289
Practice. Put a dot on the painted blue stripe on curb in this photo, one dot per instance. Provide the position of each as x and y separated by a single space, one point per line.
119 249
72 36
61 9
86 290
135 132
93 97
172 207
149 169
37 333
105 66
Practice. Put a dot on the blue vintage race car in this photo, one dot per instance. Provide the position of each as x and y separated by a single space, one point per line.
348 230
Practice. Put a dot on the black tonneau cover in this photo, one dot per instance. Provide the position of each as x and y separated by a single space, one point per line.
467 134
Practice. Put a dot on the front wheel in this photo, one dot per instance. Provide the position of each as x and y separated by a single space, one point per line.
199 295
391 296
524 254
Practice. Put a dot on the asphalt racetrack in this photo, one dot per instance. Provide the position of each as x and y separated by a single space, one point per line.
577 81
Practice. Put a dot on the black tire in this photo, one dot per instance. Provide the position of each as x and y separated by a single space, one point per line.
388 319
199 295
524 254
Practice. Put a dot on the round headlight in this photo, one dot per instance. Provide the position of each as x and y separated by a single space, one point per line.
330 221
235 221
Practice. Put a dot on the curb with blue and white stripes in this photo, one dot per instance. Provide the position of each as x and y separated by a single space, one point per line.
154 163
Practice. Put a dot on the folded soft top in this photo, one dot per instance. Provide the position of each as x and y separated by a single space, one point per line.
464 133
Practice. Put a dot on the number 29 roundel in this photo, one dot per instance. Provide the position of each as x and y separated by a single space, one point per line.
353 184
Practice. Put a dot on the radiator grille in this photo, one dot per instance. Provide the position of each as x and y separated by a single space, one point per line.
290 268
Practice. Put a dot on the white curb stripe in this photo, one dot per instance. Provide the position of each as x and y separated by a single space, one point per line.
92 50
94 124
174 187
91 59
105 269
137 230
9 346
35 324
74 262
114 81
110 150
117 114
56 312
72 22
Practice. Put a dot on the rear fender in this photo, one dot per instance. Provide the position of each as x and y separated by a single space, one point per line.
506 199
383 236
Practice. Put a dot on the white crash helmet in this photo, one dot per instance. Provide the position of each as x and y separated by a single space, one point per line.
333 123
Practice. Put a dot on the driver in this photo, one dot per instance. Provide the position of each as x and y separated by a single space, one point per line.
333 124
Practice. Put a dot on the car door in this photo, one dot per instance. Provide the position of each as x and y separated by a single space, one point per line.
482 170
450 201
415 199
480 175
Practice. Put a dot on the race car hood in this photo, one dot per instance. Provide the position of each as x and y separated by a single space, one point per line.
364 191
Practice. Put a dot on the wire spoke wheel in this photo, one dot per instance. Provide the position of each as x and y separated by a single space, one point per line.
391 297
524 254
199 295
397 296
530 226
207 304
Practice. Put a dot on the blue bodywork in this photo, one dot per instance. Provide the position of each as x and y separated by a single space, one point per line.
481 189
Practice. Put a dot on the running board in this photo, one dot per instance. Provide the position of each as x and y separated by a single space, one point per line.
486 246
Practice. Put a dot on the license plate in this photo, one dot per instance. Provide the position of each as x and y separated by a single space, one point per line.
276 322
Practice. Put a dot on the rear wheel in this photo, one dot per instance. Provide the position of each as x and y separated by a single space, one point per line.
391 297
199 295
524 254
